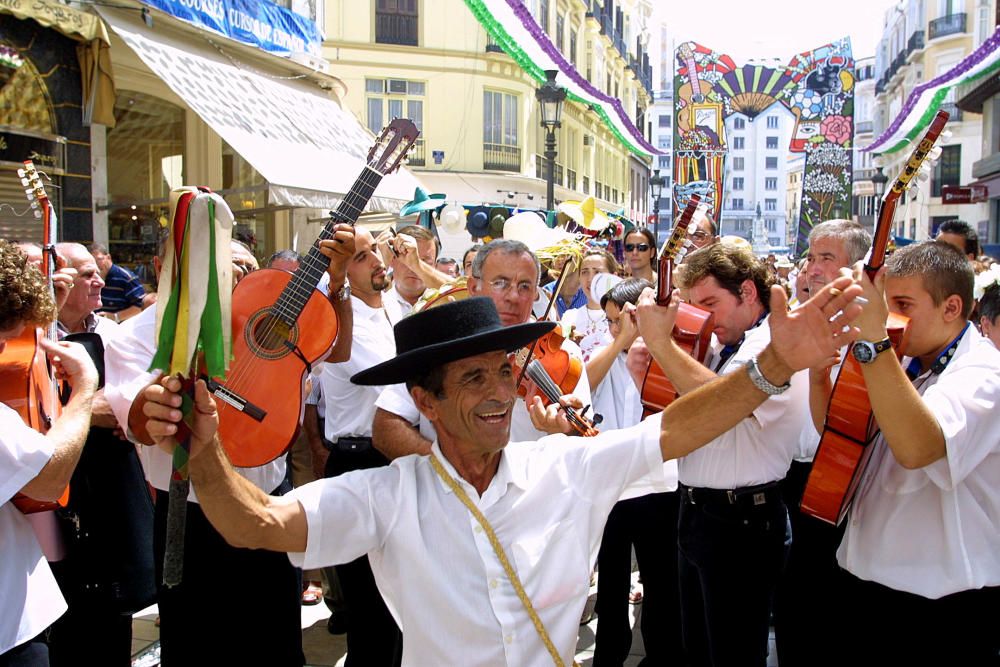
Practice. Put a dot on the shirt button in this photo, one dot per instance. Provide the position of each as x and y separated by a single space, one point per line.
493 583
509 639
478 529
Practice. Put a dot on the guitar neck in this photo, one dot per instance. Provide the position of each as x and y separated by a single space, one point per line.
305 279
664 280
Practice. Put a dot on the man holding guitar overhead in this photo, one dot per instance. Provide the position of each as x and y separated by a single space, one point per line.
922 546
37 465
733 524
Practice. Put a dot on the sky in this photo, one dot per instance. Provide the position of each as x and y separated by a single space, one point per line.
748 29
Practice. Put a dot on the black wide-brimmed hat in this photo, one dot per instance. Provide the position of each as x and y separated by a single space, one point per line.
447 333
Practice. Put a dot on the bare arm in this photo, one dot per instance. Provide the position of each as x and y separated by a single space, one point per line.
684 371
395 437
339 249
820 390
602 359
69 432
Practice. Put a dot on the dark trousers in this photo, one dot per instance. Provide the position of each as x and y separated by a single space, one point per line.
373 638
806 605
890 627
93 630
650 524
32 653
197 626
730 556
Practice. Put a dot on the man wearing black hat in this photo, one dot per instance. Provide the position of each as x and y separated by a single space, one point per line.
484 552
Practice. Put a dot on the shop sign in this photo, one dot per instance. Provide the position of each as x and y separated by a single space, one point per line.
963 194
255 22
46 152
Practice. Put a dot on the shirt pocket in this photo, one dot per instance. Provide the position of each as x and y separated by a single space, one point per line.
552 565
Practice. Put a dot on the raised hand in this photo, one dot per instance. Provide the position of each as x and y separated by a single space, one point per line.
163 412
655 322
338 249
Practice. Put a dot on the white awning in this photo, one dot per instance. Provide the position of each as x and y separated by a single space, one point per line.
308 149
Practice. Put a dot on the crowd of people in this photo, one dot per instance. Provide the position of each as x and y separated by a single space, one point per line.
454 520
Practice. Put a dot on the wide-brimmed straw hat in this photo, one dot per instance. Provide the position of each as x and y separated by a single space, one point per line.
421 202
448 333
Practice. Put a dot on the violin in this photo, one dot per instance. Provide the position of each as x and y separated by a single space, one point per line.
537 373
693 327
27 384
850 429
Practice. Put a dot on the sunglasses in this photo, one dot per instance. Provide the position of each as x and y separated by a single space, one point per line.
641 247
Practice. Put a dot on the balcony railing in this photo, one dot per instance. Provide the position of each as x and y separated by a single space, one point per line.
396 29
491 45
863 126
417 156
915 42
952 24
501 157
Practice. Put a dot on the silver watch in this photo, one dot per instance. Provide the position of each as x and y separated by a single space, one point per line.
344 293
762 382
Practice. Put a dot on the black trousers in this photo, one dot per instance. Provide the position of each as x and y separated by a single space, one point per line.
890 627
32 653
806 602
373 638
197 626
93 630
730 556
650 524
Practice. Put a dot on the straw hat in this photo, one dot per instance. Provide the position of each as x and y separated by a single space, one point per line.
585 213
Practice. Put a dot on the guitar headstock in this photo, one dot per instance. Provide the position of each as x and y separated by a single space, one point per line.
677 245
33 188
393 143
923 156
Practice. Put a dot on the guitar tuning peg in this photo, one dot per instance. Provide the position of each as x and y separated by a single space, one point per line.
924 172
945 136
934 153
22 173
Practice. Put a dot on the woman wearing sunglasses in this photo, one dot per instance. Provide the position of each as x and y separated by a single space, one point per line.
640 254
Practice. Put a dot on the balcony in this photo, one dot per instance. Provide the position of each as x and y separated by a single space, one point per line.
863 127
880 86
954 113
501 157
491 45
916 42
395 29
863 174
417 156
953 24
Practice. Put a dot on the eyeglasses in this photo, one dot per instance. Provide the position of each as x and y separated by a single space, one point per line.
501 285
699 235
632 247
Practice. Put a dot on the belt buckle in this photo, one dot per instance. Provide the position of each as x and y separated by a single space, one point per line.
759 498
731 496
690 495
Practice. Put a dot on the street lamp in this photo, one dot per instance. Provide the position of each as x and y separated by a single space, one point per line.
656 183
550 98
878 182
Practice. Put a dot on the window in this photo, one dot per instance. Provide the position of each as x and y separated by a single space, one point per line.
396 22
772 143
572 47
560 31
771 163
770 204
772 122
739 123
771 183
664 162
948 169
543 14
394 98
737 204
771 225
500 141
737 164
738 183
738 143
664 120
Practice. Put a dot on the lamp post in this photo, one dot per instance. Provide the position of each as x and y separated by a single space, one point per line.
656 183
550 99
878 185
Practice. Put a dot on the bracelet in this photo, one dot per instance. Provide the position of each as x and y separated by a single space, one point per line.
761 382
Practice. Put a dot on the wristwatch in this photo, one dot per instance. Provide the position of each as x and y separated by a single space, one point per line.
343 294
866 351
762 382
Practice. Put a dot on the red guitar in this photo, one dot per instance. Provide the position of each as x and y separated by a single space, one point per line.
283 326
26 382
850 429
693 328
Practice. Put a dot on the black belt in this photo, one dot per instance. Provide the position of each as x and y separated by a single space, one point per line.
348 444
747 496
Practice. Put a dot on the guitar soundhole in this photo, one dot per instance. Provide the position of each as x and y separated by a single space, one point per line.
270 337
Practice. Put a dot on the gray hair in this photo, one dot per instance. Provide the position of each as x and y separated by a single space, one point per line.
507 247
855 238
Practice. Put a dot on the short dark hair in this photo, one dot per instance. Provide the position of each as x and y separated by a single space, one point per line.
627 291
421 234
430 380
287 254
730 265
989 304
98 249
962 228
942 267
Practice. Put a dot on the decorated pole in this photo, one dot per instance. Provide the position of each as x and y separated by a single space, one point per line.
193 327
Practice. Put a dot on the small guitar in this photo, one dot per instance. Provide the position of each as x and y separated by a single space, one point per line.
846 444
693 328
283 326
693 91
26 381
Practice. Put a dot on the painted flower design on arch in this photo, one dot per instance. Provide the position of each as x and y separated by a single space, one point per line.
837 129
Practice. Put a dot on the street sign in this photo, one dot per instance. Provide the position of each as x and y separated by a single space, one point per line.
964 194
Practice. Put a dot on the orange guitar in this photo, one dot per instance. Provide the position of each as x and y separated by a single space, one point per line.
693 328
850 429
26 381
283 326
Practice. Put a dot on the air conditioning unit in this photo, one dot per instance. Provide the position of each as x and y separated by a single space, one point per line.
588 140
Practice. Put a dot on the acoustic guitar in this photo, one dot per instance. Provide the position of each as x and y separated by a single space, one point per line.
27 384
850 429
693 327
283 326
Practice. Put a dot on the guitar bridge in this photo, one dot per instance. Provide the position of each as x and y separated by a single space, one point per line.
233 399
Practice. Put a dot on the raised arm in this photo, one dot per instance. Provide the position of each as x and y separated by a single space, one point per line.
394 436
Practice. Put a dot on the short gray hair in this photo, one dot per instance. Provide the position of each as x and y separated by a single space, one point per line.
507 247
855 238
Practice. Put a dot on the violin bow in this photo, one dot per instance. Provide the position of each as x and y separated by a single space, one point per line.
193 321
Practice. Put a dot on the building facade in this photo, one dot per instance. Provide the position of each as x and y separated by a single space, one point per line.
864 202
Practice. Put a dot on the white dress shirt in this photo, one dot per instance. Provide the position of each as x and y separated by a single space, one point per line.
434 565
760 448
392 295
936 530
350 408
30 600
396 399
126 360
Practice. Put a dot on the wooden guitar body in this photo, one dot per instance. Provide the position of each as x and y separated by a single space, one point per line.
847 442
693 333
261 402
